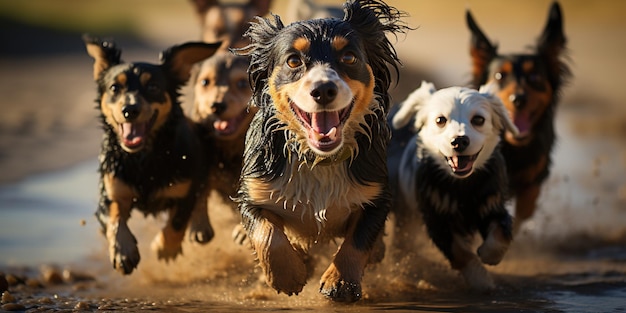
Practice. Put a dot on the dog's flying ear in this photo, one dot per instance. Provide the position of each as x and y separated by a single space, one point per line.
179 59
411 106
552 41
262 34
104 53
503 121
482 51
373 20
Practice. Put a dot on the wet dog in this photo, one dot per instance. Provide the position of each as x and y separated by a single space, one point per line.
151 156
530 85
227 22
315 155
221 93
452 171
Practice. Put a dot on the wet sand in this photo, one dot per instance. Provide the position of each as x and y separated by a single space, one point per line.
571 257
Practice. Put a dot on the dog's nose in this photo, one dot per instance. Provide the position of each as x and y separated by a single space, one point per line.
130 112
325 93
460 143
218 107
518 99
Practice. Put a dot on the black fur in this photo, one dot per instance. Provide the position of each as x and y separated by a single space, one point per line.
269 151
470 194
547 57
171 154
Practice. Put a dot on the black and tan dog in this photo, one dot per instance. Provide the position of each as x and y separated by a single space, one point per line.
151 157
221 93
530 85
452 172
315 157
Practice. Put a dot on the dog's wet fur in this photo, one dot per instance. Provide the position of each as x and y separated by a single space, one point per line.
315 155
152 158
530 85
451 172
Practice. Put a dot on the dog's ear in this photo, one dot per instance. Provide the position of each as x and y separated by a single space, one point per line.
411 106
178 60
373 20
502 120
262 34
482 51
552 41
104 53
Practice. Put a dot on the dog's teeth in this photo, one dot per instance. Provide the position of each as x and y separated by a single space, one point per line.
332 134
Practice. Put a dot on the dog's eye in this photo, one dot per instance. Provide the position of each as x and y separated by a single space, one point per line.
153 88
242 83
441 121
348 58
499 76
294 61
115 88
478 120
204 82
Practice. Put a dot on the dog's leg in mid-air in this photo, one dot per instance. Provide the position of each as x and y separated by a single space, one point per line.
168 242
115 210
282 263
200 229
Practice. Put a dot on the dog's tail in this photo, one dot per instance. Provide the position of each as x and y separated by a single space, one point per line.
411 105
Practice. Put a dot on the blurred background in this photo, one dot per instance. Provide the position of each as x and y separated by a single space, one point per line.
49 133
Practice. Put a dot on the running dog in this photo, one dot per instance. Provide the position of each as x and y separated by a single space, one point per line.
151 157
452 171
221 93
530 86
315 154
227 22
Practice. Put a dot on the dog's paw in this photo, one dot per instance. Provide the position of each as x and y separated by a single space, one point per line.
240 236
335 288
341 291
477 277
166 248
123 251
494 247
201 232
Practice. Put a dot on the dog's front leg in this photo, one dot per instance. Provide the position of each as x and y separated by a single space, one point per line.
200 229
168 242
282 263
115 211
362 245
497 235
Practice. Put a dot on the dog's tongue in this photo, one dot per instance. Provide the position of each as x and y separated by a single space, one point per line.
223 126
133 133
522 122
460 163
324 122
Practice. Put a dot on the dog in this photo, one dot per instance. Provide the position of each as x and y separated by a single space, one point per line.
315 154
151 157
452 171
227 22
221 93
530 87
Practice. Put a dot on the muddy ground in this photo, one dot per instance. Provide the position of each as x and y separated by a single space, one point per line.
571 257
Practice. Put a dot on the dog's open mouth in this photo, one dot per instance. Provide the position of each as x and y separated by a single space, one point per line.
133 134
324 128
462 165
230 126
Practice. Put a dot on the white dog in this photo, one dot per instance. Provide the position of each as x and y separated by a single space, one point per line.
452 172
